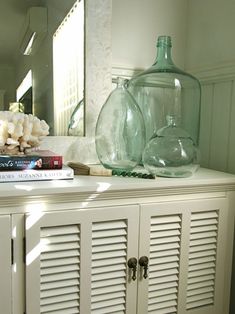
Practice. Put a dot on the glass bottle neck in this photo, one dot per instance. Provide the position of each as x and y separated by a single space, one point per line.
164 59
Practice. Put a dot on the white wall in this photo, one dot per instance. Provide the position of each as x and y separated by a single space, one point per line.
211 26
136 24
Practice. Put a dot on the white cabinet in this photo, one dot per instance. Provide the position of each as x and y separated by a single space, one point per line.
66 247
77 261
5 264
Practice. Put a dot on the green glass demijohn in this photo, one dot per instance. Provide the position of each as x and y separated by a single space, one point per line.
158 88
120 130
171 152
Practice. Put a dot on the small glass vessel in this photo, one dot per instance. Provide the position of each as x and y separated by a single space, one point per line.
157 89
171 153
76 125
120 130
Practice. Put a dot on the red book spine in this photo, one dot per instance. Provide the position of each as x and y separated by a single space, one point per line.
30 162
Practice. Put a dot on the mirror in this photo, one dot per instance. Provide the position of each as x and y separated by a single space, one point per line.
42 61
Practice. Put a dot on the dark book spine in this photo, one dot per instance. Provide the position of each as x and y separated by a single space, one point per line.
30 162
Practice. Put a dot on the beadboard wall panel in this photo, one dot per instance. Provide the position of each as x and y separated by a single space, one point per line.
218 126
206 123
231 156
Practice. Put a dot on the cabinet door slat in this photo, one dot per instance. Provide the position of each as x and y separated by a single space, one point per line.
108 275
202 266
45 264
201 235
205 222
203 229
163 298
59 269
205 215
46 286
62 306
113 309
59 291
108 255
202 259
158 241
168 254
163 305
109 261
201 284
201 254
200 290
60 273
162 292
200 248
47 300
116 288
165 238
165 286
161 267
98 286
163 234
203 278
109 247
163 249
107 268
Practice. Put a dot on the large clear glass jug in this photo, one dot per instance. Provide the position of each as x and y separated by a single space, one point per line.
163 90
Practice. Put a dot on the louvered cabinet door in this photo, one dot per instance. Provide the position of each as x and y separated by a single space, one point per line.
5 264
184 244
114 241
206 267
76 261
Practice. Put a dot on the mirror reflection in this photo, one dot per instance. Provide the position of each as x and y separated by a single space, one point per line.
42 61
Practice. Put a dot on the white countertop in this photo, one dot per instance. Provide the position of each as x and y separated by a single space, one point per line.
95 184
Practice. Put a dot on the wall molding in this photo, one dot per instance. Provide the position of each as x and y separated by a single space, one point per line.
217 73
124 72
208 74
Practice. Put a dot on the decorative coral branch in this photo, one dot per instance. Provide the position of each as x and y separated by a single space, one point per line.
19 131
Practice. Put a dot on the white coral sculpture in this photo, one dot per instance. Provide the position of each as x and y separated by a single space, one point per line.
19 131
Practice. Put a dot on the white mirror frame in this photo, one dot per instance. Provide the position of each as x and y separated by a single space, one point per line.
98 81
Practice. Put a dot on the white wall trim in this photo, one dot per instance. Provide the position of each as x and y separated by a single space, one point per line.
217 73
208 74
124 72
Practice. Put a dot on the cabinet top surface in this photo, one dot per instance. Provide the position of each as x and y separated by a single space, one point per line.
87 184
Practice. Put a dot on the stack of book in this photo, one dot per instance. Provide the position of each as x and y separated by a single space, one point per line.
37 165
